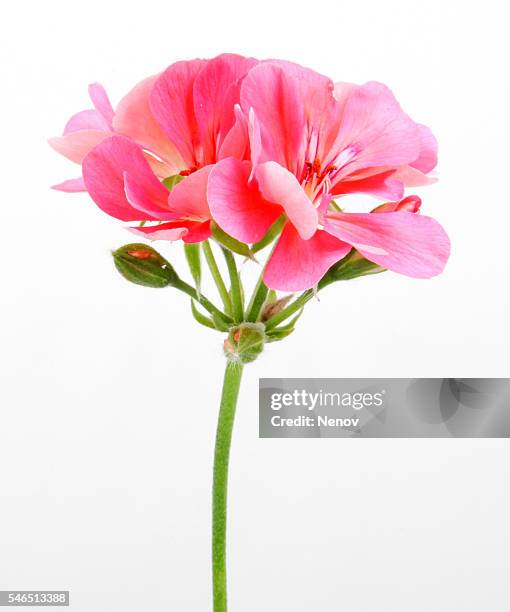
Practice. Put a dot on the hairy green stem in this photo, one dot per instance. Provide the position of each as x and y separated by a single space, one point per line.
261 290
216 274
230 393
235 287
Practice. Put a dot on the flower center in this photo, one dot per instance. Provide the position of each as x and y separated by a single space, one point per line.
315 178
188 171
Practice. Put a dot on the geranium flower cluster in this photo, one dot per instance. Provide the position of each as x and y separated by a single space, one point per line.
256 153
242 144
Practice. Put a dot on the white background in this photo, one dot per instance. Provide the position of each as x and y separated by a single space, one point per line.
109 391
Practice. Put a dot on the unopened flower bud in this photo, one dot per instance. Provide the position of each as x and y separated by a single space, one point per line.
410 204
143 265
245 342
274 307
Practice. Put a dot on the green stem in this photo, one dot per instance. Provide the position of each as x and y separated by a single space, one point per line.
216 274
261 290
230 393
235 287
201 299
293 307
257 301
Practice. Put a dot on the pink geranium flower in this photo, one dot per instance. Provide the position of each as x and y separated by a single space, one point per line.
312 140
194 113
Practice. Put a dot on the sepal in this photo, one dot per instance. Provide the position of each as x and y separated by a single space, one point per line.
171 181
279 333
245 342
274 231
351 266
230 243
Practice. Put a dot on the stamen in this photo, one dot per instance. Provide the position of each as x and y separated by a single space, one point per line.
347 155
188 171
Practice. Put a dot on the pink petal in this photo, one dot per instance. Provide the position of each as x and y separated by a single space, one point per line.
215 93
407 175
171 102
410 204
164 231
324 203
412 177
188 231
256 150
374 131
147 197
322 111
134 118
101 102
277 102
382 185
342 91
160 168
86 120
189 197
315 92
236 143
237 205
76 145
71 186
400 241
279 186
298 264
103 172
427 159
198 232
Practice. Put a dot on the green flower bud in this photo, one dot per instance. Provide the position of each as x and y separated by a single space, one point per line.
245 342
143 265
